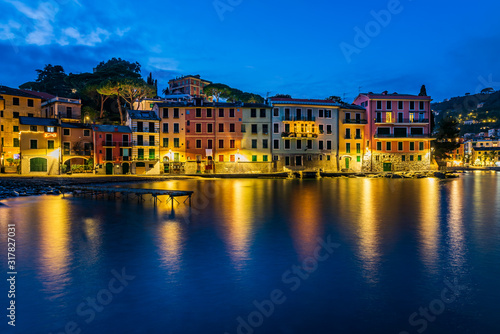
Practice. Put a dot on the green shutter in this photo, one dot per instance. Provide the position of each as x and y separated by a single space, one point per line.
38 165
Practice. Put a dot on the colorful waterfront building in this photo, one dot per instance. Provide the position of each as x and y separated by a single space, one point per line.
305 134
112 149
482 152
398 131
256 139
172 135
66 109
15 103
189 84
145 125
40 149
77 147
352 139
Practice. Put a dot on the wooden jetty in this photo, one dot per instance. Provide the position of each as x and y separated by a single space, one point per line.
124 193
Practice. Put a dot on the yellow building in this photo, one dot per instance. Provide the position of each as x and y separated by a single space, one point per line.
145 127
352 140
40 151
15 103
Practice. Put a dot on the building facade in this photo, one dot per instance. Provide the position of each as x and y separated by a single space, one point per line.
112 149
352 139
145 126
77 147
189 84
66 109
398 131
256 138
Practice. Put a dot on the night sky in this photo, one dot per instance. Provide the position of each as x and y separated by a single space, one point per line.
309 49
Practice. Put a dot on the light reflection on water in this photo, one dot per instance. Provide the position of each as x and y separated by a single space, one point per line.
201 267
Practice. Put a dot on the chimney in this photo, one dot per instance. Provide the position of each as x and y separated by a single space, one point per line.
385 92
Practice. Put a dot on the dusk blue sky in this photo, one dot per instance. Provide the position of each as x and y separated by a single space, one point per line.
291 47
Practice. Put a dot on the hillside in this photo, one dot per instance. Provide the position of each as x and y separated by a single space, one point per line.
481 109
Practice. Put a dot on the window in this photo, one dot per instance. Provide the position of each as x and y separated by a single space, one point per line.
38 165
231 127
287 144
276 112
264 158
198 127
389 105
400 146
379 105
403 158
176 142
221 143
66 132
321 113
358 148
243 128
176 127
253 112
320 144
30 103
231 112
262 113
320 128
328 114
33 144
165 112
221 127
254 143
198 112
417 131
412 146
358 134
299 144
421 146
276 144
411 158
165 142
176 112
254 128
358 158
15 101
419 158
16 142
254 158
400 105
165 127
347 133
86 133
69 112
152 155
388 146
15 114
50 144
421 105
221 112
276 128
379 146
329 129
412 105
328 144
15 128
209 144
33 128
232 143
265 143
198 143
348 147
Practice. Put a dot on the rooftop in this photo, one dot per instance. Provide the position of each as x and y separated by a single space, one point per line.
18 92
143 115
197 76
38 121
42 95
111 128
372 95
280 100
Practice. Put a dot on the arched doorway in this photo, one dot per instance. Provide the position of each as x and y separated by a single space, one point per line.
109 168
125 168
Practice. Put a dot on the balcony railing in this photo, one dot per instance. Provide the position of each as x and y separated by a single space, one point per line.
355 121
78 152
347 137
145 158
109 143
297 119
146 143
147 130
403 121
298 135
391 135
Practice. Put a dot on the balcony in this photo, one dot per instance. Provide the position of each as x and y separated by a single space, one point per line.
106 143
347 137
391 135
146 143
298 119
145 158
403 121
135 129
355 121
298 135
78 152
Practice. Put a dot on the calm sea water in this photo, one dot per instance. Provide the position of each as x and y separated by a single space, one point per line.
262 256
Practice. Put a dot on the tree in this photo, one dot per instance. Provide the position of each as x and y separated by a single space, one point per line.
153 83
488 90
283 96
134 89
166 91
447 138
52 80
334 98
112 88
217 90
423 91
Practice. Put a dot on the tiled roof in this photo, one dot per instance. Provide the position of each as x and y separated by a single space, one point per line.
111 128
395 96
279 100
38 121
17 92
143 115
75 125
41 95
212 105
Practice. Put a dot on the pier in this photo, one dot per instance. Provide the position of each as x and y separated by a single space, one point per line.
124 193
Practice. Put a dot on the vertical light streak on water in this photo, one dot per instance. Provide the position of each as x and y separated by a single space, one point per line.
429 225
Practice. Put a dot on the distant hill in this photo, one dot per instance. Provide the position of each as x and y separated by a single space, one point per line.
481 109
